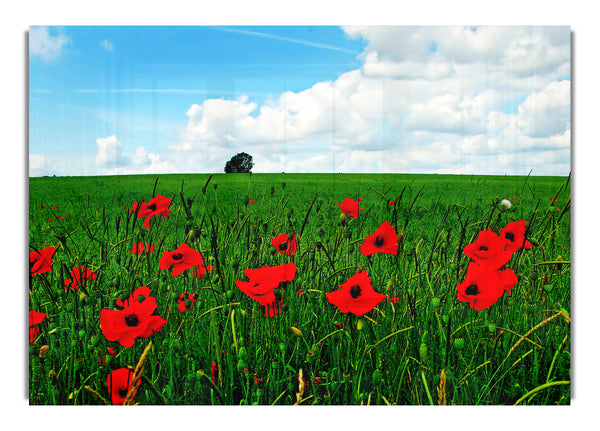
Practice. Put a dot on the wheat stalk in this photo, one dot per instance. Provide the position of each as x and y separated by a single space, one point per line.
137 375
441 390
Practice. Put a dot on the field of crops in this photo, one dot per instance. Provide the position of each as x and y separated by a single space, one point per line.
283 289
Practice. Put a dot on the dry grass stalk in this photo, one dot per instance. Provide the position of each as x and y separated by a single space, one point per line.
441 390
137 375
301 386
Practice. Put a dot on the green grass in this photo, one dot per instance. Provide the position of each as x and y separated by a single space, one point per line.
393 355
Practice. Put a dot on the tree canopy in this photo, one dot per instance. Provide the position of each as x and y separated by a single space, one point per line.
240 163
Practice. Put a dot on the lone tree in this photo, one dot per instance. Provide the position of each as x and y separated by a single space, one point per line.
241 163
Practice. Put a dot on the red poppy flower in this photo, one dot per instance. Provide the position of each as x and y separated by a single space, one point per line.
183 299
513 236
42 206
350 207
155 206
141 248
483 286
79 276
182 258
41 261
53 207
201 270
119 384
356 295
250 201
384 240
488 250
391 203
135 320
262 285
284 244
35 318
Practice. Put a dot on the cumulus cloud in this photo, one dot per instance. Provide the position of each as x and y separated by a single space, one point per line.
426 99
110 153
44 45
40 165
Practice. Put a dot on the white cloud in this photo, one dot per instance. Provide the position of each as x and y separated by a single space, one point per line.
426 99
547 112
45 45
107 45
110 153
40 165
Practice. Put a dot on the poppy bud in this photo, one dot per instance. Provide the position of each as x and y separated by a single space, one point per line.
43 350
547 288
95 340
297 332
53 377
459 343
229 294
242 352
423 352
70 307
282 347
241 365
435 302
74 343
445 319
389 285
235 263
343 218
82 334
492 327
360 323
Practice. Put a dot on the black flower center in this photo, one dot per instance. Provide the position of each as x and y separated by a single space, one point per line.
471 290
152 207
131 320
510 236
483 248
283 246
123 392
355 291
379 241
177 256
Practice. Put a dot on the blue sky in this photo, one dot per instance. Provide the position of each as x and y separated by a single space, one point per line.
140 99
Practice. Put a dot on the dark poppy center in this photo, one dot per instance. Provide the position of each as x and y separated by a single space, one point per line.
131 320
510 236
483 248
379 241
152 207
471 290
355 291
177 256
123 392
283 246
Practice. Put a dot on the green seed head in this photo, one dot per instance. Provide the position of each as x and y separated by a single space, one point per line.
423 352
360 324
459 343
435 302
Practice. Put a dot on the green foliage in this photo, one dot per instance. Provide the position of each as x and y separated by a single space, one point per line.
394 354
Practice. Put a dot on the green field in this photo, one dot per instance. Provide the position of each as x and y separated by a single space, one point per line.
419 346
